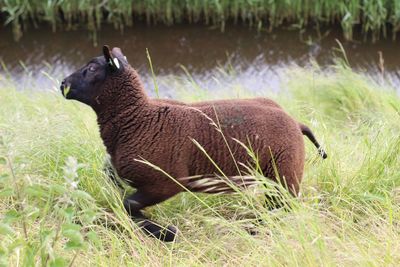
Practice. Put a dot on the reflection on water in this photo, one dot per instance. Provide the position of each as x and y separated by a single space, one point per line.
257 59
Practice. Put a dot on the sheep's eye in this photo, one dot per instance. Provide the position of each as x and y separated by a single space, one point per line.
92 68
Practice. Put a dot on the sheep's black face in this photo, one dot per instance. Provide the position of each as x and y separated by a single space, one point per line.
83 85
86 84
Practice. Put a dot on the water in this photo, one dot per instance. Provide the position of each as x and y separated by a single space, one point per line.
42 58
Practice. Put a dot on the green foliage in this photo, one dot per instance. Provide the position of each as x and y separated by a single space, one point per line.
58 208
373 16
70 207
153 74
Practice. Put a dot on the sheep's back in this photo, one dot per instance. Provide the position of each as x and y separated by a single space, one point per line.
266 129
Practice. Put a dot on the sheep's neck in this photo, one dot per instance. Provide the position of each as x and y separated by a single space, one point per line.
127 102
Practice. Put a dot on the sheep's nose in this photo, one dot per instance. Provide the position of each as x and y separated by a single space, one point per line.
62 84
63 87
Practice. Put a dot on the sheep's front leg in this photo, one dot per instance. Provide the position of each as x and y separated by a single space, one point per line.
141 199
108 169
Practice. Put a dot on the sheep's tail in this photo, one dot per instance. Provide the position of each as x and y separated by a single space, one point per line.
307 132
214 184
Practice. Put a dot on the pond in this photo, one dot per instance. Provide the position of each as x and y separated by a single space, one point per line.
42 57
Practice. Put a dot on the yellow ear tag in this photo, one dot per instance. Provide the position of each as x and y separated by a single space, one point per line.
116 62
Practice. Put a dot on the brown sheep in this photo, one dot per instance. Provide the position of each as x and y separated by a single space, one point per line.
161 132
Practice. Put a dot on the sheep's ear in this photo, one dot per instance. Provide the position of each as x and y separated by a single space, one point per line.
117 52
111 61
107 53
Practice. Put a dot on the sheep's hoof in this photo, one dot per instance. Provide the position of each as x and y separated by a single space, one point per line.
152 229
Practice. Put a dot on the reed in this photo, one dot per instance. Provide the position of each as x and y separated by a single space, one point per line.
374 17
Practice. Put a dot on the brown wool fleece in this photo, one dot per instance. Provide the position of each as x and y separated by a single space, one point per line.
134 127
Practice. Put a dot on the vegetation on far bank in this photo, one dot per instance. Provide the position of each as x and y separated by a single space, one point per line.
375 18
58 208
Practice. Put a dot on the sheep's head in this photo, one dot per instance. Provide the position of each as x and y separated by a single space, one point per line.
87 83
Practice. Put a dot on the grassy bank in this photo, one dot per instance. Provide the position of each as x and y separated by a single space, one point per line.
58 208
372 16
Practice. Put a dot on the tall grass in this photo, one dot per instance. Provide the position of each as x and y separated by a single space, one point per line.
58 208
372 16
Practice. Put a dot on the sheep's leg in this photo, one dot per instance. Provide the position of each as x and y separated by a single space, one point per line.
282 169
139 200
109 170
275 200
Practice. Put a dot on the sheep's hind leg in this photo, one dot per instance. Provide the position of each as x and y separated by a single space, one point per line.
282 173
139 200
275 200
